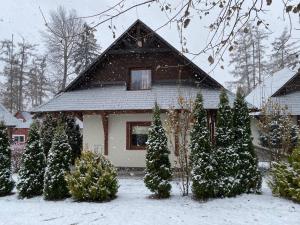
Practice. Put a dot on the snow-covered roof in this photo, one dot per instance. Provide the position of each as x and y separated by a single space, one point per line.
8 119
118 98
28 120
270 85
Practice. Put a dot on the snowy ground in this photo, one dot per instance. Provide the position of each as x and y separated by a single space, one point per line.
134 207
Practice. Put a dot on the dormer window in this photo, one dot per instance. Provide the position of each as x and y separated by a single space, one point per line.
140 79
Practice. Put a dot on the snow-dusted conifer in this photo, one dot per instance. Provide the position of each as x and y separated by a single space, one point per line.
203 172
158 166
31 173
59 160
6 182
87 48
247 171
74 135
224 153
47 132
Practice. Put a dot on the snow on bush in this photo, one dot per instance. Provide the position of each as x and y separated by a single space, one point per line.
17 151
93 179
31 173
203 173
158 166
6 182
58 164
285 179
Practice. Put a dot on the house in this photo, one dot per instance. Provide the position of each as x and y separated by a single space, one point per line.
115 95
282 87
20 132
9 120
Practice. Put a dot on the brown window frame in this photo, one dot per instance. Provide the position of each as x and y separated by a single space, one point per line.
129 126
139 68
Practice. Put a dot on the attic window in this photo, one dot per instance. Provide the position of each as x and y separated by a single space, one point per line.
140 79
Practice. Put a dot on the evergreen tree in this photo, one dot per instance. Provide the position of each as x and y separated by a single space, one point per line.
158 166
224 154
31 174
203 173
86 49
284 53
47 132
248 175
58 164
74 135
6 182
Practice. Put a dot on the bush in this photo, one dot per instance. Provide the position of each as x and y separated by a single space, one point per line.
285 180
93 179
17 151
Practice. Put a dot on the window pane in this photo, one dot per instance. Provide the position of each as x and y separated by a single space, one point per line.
139 135
140 79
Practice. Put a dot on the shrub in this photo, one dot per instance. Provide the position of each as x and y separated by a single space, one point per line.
93 179
17 151
285 179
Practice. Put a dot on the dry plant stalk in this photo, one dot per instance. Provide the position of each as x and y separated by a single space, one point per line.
178 126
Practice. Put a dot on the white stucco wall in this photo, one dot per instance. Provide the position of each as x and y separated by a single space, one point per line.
93 137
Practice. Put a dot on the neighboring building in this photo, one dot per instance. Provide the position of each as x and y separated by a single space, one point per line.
20 132
9 120
282 87
115 95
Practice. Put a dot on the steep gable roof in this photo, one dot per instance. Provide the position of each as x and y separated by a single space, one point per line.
270 86
148 32
8 119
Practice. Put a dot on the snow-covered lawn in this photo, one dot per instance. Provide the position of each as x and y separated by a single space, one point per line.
134 207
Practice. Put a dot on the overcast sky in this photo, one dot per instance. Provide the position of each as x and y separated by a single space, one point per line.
22 18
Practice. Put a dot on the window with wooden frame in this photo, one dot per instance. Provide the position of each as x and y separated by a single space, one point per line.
137 135
18 138
140 79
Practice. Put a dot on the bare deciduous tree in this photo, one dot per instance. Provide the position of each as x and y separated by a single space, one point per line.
178 127
61 38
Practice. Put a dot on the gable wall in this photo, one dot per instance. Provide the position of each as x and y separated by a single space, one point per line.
290 87
116 68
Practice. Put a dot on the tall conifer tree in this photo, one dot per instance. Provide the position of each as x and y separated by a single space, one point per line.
203 173
6 182
158 166
224 154
59 160
31 174
248 173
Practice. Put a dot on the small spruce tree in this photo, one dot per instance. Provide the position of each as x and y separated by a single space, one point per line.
203 173
158 166
224 153
248 174
31 173
47 132
74 135
6 182
58 164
